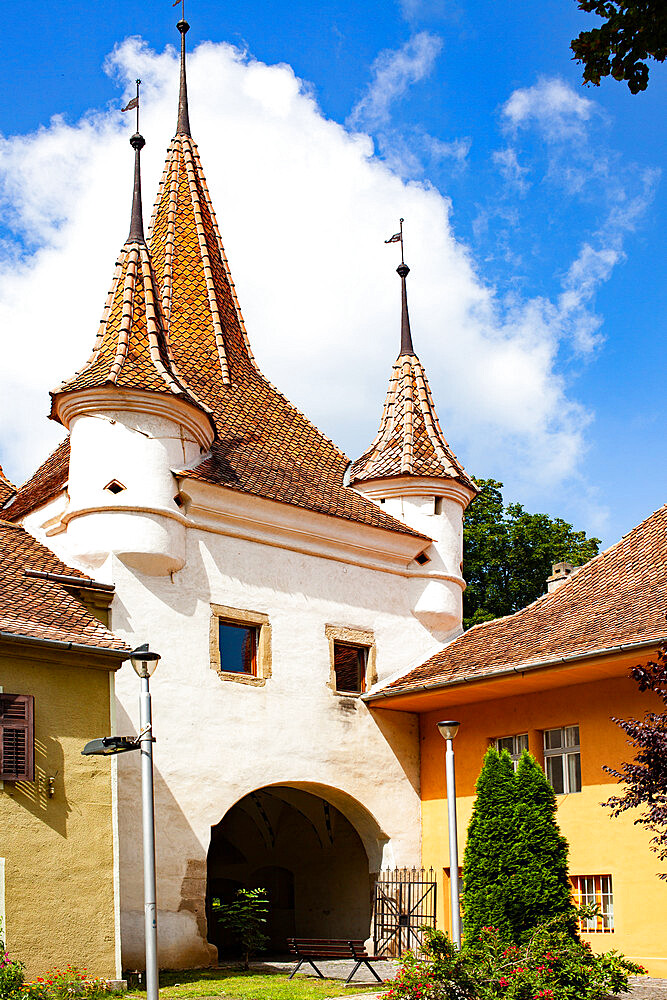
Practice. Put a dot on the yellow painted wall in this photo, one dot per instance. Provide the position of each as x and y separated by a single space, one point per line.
59 903
599 845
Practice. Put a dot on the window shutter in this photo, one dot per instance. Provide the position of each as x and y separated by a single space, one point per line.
17 732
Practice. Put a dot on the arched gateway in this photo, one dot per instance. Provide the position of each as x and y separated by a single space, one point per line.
316 852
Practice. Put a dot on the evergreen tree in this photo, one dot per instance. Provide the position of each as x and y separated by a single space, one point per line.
515 864
540 883
488 859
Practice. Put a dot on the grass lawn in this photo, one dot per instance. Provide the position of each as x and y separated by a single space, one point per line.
236 985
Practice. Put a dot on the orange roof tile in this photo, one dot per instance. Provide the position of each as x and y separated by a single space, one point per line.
409 441
265 445
47 482
42 608
7 489
618 598
131 349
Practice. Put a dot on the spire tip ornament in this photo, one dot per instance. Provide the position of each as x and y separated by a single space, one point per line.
137 142
183 123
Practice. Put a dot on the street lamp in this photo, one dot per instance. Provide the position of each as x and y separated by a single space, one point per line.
448 731
144 662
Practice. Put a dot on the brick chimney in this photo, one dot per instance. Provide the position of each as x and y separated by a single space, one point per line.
559 574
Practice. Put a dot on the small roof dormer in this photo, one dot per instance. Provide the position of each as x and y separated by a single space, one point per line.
409 441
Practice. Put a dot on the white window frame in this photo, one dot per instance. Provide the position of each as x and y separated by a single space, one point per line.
564 752
595 890
519 744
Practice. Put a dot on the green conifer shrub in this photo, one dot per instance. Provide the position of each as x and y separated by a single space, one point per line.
515 873
541 880
488 859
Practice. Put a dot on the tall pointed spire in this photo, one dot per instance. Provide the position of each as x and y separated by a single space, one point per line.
131 350
136 234
183 124
406 337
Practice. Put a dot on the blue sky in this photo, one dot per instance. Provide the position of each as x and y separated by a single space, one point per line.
535 212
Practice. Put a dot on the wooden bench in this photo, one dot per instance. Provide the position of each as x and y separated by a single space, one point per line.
309 950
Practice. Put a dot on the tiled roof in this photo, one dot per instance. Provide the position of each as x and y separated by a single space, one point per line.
47 482
7 489
131 351
265 445
409 441
43 609
619 597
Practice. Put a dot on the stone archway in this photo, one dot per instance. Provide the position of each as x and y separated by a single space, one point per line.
305 851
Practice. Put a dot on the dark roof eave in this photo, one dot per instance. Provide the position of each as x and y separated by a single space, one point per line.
63 646
519 668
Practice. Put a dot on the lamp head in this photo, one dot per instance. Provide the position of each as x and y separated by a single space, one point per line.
144 661
448 729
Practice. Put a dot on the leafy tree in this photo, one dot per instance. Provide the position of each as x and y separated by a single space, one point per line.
246 919
488 860
508 554
633 31
541 882
645 778
515 864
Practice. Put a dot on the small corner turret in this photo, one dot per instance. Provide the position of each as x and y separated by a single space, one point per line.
132 419
410 470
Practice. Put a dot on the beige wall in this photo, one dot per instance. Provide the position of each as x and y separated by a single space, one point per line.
58 850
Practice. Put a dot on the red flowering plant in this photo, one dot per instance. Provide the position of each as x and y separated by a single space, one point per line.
550 965
11 973
64 984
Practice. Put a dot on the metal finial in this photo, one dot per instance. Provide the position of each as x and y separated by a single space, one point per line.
183 124
137 142
403 270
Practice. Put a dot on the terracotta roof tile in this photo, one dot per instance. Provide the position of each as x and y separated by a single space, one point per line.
7 489
265 445
47 482
409 441
619 597
43 609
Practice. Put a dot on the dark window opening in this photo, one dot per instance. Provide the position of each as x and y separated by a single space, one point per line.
350 667
178 500
422 558
438 505
114 486
238 648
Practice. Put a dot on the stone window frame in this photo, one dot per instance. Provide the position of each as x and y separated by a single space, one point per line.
241 616
356 637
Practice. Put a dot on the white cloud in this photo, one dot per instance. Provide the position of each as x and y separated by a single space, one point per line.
511 170
304 207
393 72
551 105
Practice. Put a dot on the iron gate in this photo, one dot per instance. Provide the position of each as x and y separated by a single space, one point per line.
404 906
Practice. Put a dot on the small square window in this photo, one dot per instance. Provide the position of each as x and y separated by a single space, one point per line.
350 667
562 759
238 648
240 645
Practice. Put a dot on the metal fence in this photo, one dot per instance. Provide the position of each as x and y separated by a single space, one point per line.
404 906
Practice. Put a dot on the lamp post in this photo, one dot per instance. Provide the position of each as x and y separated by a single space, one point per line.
448 731
144 663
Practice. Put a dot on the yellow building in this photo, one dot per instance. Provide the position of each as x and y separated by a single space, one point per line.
58 883
550 678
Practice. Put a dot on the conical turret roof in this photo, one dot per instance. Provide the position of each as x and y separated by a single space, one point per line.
409 441
131 350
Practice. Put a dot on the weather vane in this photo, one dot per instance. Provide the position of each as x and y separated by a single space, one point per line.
398 238
134 103
182 3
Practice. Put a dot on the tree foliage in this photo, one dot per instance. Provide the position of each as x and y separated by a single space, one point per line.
246 919
508 554
515 863
632 32
645 778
